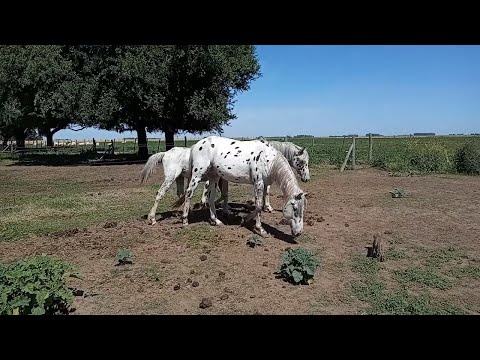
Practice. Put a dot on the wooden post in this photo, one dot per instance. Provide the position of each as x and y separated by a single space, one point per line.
185 141
370 147
346 158
158 147
123 150
135 145
313 141
353 153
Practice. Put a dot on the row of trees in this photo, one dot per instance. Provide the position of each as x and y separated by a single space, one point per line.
168 88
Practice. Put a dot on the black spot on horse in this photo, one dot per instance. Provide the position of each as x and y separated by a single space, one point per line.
213 145
233 142
239 151
200 148
189 193
263 141
258 156
225 157
204 141
251 153
236 147
256 169
235 155
228 153
268 160
229 168
195 170
248 159
218 166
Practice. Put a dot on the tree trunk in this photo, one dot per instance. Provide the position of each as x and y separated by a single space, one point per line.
20 137
142 140
169 142
49 136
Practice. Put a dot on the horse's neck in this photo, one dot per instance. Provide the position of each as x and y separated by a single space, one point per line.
282 174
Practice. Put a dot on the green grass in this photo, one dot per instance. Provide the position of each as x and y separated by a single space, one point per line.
401 300
424 276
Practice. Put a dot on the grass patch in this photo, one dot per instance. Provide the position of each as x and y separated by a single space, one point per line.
197 234
371 290
469 271
424 276
395 254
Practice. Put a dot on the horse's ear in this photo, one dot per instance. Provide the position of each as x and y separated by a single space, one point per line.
299 196
301 151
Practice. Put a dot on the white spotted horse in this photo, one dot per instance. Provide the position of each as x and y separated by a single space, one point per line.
246 162
296 156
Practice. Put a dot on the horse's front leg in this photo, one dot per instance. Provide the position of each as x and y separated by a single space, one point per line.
259 186
266 199
180 180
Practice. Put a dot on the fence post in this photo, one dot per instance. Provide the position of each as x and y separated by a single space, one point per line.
158 147
346 158
370 147
353 153
135 145
185 141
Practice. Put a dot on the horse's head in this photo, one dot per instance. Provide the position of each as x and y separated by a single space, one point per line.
294 210
300 163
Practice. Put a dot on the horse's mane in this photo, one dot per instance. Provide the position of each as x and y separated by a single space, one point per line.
288 149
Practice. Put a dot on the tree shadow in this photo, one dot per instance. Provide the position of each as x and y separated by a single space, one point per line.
62 159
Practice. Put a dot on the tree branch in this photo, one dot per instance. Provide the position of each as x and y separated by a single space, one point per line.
81 128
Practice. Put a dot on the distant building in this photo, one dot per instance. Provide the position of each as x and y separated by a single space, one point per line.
423 134
373 134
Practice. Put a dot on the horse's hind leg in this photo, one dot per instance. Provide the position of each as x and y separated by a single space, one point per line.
161 192
211 201
194 181
224 189
205 195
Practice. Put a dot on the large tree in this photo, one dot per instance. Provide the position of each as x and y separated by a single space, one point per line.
169 88
40 89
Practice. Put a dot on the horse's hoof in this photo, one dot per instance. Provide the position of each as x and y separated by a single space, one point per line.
215 222
268 209
261 232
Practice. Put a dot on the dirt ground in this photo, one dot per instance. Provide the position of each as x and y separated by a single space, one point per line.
173 269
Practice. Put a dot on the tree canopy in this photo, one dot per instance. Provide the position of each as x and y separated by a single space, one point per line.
168 88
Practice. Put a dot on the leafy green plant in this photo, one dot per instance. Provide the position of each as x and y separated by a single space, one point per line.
255 240
398 193
123 257
298 266
35 286
467 159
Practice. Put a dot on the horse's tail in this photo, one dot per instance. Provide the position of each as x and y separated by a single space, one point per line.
179 201
150 166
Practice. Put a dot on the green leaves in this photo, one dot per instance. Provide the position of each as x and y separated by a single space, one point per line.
298 265
34 286
123 256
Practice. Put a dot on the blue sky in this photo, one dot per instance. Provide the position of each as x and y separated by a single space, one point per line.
334 90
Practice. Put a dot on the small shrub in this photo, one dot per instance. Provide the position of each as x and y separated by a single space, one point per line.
397 193
467 159
123 257
298 266
35 286
429 156
254 241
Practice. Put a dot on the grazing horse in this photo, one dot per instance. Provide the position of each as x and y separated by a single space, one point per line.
176 167
246 162
296 156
